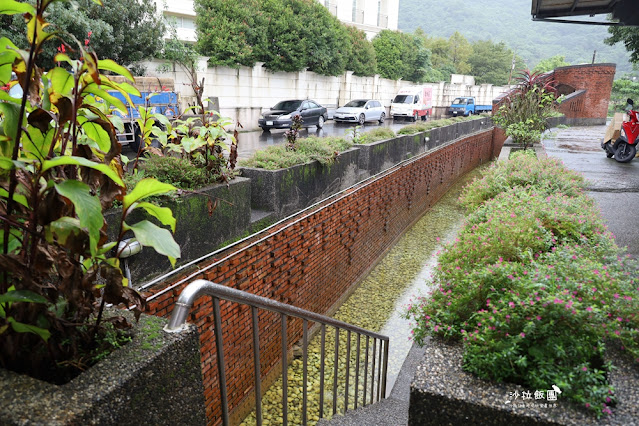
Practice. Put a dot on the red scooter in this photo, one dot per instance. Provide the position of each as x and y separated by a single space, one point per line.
624 148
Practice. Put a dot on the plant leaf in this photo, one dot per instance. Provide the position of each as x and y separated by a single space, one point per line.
80 161
146 188
149 234
87 207
96 132
12 7
22 296
110 65
19 327
163 214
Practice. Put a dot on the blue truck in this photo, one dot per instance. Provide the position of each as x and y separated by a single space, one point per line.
166 103
466 106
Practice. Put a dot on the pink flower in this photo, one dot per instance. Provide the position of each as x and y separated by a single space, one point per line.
522 334
584 368
589 309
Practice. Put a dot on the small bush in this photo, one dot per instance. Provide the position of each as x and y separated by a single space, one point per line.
308 149
534 286
424 126
178 172
547 175
375 135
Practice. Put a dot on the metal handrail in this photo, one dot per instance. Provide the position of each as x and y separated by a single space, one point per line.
199 288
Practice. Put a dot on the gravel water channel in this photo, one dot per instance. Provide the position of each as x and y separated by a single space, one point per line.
378 304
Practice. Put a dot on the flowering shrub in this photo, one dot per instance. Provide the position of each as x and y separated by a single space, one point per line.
548 175
534 287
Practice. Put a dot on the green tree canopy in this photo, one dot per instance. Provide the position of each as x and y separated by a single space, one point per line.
402 56
459 52
629 36
126 31
230 31
491 62
550 64
363 61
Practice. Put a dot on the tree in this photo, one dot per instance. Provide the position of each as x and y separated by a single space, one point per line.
460 51
629 36
388 50
126 31
325 38
283 48
362 61
231 33
550 64
491 62
402 56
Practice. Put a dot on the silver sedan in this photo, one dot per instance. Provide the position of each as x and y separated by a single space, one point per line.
360 111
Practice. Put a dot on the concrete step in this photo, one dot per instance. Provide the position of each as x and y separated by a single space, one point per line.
392 411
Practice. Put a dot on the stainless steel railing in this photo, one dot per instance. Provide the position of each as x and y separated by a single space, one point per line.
200 288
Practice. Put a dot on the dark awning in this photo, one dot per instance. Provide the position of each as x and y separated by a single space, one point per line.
624 12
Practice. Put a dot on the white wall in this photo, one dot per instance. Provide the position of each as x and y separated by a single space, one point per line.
245 92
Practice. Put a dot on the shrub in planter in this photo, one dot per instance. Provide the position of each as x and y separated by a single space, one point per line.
305 150
547 175
524 111
60 168
536 289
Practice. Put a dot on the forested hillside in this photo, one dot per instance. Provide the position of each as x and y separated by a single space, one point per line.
510 21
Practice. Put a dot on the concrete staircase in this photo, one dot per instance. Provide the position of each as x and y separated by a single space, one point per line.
392 411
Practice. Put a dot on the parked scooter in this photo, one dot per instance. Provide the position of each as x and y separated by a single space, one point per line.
623 147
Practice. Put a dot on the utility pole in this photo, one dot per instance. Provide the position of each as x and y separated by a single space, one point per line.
594 55
512 67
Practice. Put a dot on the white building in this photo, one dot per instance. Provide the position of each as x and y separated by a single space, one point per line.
371 16
182 13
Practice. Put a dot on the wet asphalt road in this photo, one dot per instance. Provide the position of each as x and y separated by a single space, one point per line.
615 186
249 142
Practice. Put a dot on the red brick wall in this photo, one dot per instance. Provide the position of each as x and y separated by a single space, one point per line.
596 80
312 260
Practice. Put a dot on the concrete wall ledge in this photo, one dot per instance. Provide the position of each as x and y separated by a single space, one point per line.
442 393
154 379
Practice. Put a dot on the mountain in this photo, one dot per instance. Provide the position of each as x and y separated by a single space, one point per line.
510 21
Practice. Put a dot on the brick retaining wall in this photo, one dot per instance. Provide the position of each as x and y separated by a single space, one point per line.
312 260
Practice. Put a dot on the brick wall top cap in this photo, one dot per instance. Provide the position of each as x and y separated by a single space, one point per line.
604 65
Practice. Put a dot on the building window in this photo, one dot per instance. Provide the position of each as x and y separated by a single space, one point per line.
379 12
354 11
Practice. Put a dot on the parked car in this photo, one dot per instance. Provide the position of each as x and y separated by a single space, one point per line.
361 110
281 115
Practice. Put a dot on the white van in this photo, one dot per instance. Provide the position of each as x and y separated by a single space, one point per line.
413 102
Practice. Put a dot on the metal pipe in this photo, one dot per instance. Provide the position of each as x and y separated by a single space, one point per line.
219 346
305 373
322 349
365 372
256 363
348 370
357 370
200 287
335 366
373 372
284 373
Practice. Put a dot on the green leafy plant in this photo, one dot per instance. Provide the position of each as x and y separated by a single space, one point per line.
60 169
293 133
524 111
534 286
